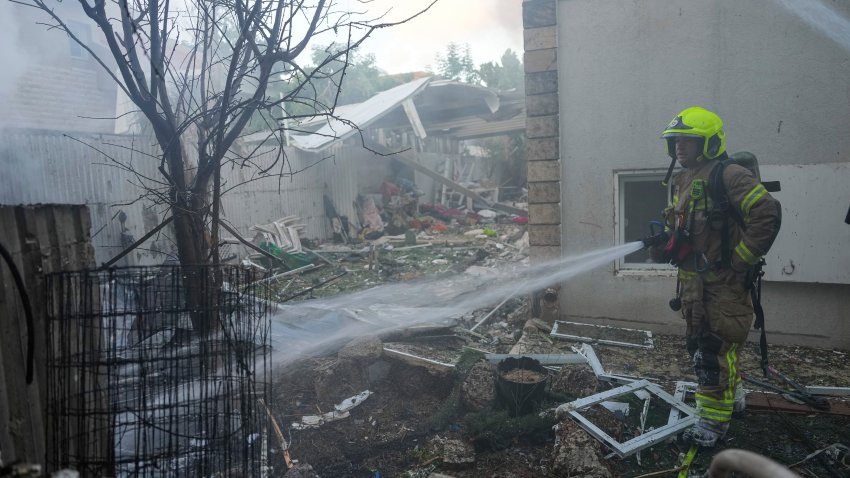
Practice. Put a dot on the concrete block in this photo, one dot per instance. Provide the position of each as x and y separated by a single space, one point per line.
544 170
541 148
549 213
540 60
540 38
541 105
544 192
544 235
539 13
542 82
541 126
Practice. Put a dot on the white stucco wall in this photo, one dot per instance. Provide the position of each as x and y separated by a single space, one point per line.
780 84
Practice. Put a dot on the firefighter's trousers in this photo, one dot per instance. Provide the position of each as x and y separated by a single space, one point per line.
719 313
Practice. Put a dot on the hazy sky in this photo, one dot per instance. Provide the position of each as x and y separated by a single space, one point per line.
488 26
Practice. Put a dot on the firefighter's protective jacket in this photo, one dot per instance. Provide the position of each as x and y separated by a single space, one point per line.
749 241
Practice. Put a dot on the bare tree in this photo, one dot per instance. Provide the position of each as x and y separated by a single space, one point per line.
198 71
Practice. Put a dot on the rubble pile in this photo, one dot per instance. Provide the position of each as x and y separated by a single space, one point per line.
424 401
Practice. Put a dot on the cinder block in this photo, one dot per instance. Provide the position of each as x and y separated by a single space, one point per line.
544 235
541 105
542 82
549 213
544 192
540 38
540 60
541 148
544 170
539 13
541 126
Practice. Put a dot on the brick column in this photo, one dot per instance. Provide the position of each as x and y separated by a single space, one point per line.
542 151
542 148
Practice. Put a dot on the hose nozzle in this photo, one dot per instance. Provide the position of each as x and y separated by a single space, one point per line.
655 237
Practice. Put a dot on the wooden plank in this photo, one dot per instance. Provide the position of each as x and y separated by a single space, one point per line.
771 402
42 239
8 308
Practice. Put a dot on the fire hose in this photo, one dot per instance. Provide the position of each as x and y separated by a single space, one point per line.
25 301
747 462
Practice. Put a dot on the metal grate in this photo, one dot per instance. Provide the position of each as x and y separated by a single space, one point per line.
132 391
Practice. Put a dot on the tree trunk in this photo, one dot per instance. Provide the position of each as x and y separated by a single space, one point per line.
200 289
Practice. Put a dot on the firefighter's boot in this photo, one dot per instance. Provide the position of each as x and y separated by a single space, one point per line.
706 433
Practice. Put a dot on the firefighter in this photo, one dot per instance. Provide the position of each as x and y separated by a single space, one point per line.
713 287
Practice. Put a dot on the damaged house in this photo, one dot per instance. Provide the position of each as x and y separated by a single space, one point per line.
427 120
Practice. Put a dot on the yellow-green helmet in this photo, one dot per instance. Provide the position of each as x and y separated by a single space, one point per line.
697 122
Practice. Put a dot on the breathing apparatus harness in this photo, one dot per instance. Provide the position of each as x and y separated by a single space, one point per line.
720 211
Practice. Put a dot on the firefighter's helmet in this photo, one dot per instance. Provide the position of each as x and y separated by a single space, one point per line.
700 123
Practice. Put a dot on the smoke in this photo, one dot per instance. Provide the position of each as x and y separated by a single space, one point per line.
823 18
12 56
489 27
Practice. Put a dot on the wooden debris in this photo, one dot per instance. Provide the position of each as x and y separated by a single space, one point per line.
772 402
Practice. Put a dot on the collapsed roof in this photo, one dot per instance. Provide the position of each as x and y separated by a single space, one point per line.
429 107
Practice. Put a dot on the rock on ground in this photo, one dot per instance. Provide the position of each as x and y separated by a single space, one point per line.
577 454
301 470
453 453
363 349
575 381
358 367
479 386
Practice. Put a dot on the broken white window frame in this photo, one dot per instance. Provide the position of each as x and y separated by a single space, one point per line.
682 390
590 355
647 344
642 441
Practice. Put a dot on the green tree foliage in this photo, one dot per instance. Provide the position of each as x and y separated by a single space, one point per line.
457 64
507 76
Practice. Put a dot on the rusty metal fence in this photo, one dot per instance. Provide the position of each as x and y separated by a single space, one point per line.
134 392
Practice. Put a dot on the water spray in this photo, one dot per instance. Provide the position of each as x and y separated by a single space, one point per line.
317 326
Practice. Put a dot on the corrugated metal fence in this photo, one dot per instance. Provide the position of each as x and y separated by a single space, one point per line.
106 173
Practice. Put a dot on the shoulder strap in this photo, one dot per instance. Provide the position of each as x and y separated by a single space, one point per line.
721 208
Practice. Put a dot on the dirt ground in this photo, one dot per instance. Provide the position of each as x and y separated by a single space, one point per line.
426 419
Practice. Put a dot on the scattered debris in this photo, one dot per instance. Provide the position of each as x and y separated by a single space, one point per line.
340 411
424 389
